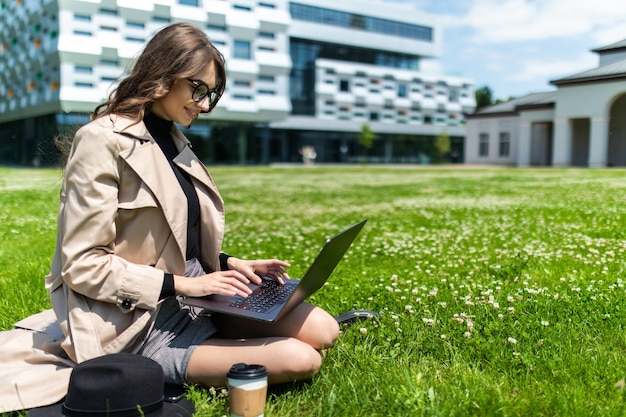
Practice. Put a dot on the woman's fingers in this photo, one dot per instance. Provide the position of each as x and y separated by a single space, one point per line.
233 283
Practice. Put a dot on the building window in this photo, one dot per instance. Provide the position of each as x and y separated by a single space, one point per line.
241 50
82 18
454 95
216 28
80 69
483 145
188 2
344 85
402 90
135 25
504 147
108 12
361 22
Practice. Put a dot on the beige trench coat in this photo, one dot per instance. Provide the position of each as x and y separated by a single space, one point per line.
122 224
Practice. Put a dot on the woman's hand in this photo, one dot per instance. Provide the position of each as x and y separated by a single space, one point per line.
253 270
220 282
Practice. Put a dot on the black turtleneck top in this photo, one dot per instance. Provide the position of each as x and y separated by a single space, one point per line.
160 130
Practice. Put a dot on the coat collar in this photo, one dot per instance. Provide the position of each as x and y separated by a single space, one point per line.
147 160
187 160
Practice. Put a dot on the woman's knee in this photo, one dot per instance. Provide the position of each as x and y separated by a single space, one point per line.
326 329
298 360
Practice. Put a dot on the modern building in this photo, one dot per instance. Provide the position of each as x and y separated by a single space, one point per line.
306 73
582 123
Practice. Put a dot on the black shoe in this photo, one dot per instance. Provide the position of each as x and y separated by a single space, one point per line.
354 315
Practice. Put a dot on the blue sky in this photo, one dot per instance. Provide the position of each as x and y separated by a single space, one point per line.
517 46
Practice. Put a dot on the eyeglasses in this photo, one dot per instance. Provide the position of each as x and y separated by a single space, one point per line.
202 91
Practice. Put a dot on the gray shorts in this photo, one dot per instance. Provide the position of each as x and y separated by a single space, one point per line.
177 331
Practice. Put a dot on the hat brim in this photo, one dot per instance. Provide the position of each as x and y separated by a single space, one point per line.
181 408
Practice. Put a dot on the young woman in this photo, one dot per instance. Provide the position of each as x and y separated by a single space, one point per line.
141 222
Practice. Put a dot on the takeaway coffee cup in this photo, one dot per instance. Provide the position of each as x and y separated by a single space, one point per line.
247 390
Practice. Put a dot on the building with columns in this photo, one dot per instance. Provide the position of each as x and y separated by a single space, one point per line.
582 123
302 73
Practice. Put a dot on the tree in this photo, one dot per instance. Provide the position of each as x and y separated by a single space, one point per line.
366 139
442 144
367 136
484 97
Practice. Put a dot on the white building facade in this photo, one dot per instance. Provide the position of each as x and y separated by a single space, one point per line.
300 73
582 123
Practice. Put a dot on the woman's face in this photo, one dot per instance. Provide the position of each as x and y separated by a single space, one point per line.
178 105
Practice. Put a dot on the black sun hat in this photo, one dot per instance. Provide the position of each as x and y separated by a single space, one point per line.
116 385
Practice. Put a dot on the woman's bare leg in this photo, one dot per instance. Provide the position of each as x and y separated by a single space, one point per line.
288 348
286 359
307 323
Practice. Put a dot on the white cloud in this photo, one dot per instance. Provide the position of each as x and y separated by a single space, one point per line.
551 69
611 34
501 21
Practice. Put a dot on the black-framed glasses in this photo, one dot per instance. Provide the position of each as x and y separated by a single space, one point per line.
202 91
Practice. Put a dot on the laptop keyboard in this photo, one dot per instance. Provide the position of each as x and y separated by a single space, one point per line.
265 297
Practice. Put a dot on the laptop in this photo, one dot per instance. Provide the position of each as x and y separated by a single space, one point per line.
270 300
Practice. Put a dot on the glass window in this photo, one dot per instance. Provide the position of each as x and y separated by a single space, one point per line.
136 25
241 50
504 144
216 28
193 3
83 69
344 85
483 144
361 22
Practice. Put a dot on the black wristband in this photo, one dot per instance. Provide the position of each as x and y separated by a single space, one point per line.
224 262
167 290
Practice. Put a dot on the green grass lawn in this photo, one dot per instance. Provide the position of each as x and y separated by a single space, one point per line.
501 291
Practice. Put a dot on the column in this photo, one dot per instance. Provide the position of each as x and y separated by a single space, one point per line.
599 142
524 147
562 149
389 148
243 144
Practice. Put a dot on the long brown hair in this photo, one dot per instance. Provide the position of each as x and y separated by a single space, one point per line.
177 51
